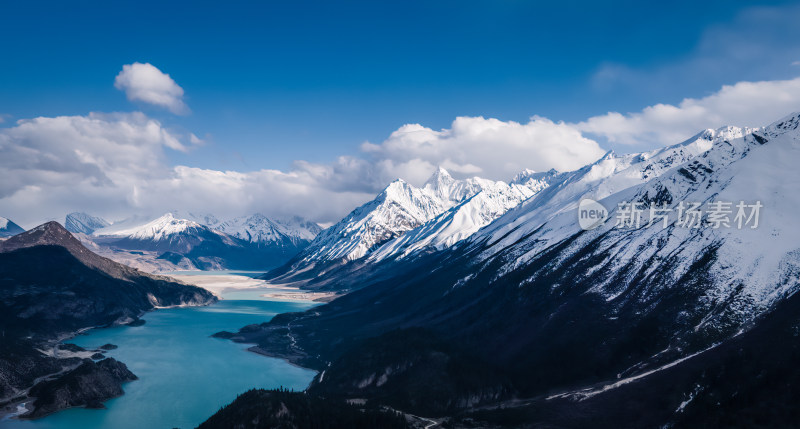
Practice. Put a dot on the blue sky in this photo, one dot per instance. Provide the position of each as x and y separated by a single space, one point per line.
279 81
293 86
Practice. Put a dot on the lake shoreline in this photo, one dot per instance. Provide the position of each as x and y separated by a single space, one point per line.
190 327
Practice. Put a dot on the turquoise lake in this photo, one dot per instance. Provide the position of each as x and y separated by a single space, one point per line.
184 375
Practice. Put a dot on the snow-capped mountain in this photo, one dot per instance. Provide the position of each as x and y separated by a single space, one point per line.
188 240
293 231
467 217
610 175
747 269
82 223
397 209
440 213
581 316
165 233
8 228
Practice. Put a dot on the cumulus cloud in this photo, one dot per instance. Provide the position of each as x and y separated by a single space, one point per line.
750 104
148 84
115 166
489 148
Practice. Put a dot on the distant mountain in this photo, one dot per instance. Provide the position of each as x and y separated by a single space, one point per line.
404 218
82 223
165 233
51 286
8 228
608 327
202 241
285 232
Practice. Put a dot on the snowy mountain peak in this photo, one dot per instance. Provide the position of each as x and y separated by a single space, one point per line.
9 228
439 178
163 227
82 223
155 230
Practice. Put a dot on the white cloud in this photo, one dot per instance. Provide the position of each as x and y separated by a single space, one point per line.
114 166
146 83
490 148
750 104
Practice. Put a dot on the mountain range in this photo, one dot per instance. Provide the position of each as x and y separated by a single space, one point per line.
403 219
533 319
184 240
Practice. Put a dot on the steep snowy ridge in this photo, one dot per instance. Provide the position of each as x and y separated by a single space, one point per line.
745 270
82 223
9 228
609 175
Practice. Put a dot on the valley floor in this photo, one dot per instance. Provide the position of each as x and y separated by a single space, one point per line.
239 285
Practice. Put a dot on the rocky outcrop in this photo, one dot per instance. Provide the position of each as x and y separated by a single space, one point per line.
89 385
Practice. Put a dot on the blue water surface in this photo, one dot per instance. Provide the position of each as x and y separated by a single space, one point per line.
184 374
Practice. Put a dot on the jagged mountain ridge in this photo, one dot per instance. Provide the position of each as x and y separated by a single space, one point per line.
439 214
467 217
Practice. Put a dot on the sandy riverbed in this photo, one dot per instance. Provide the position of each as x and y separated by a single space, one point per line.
226 286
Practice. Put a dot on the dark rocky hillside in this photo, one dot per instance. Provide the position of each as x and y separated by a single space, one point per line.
51 287
262 409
